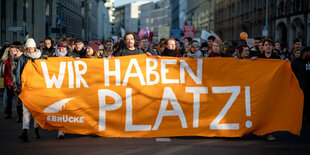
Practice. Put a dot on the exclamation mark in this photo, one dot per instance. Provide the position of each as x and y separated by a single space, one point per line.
248 123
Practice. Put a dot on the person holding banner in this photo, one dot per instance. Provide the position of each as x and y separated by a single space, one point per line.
217 49
93 49
171 48
31 53
130 48
145 46
61 49
244 51
108 49
268 50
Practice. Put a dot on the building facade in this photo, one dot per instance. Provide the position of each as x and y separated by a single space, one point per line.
119 21
235 16
200 13
292 21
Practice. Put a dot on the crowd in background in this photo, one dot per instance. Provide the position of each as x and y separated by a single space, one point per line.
14 57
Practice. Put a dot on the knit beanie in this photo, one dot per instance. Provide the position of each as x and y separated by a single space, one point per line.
94 45
30 43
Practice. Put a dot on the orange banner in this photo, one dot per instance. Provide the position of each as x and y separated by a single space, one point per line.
140 96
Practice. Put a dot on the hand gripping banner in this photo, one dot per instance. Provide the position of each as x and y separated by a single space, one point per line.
140 96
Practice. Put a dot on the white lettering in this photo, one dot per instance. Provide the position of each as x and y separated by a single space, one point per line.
108 73
196 105
129 125
177 110
235 90
150 70
79 72
184 66
50 82
103 107
133 62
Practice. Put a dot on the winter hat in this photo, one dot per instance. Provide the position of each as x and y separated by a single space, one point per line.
94 45
30 43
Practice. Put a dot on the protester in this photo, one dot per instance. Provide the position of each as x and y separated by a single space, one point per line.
268 50
296 53
93 49
170 48
244 51
256 48
130 48
210 41
216 49
31 53
62 49
19 106
204 49
8 83
108 49
194 51
301 68
48 46
79 49
145 46
277 48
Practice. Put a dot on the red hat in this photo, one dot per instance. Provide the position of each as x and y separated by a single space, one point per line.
94 45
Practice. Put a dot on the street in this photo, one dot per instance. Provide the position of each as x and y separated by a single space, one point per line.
286 143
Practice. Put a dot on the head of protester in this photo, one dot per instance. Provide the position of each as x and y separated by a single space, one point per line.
130 48
194 50
93 49
230 50
210 42
216 50
79 49
62 48
268 50
108 48
170 48
31 49
145 46
296 53
48 46
244 51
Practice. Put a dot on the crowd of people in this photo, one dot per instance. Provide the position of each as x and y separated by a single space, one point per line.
14 57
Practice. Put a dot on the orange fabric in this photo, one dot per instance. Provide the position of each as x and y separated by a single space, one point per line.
234 98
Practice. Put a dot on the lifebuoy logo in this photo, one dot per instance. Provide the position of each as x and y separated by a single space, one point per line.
58 107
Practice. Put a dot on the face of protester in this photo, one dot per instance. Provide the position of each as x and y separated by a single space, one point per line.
79 46
210 43
41 45
216 48
185 42
62 49
144 43
277 46
18 53
297 54
245 52
89 51
30 50
267 47
109 46
13 52
47 43
171 45
194 49
256 42
297 45
130 41
261 47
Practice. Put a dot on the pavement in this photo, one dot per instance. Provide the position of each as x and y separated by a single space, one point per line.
286 143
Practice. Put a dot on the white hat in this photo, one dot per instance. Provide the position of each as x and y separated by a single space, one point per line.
30 43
